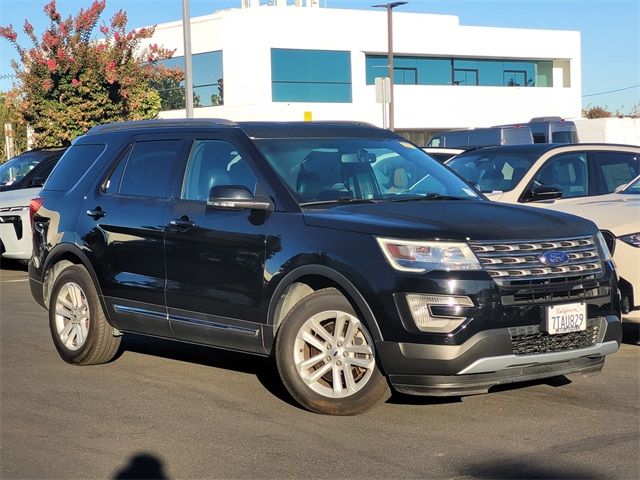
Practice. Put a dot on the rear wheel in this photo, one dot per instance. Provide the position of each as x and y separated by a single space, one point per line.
326 357
79 328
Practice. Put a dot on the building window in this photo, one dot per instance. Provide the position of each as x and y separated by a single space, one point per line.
467 76
514 78
428 71
405 75
462 71
310 75
207 82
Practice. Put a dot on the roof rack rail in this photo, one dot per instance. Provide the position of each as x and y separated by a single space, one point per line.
159 123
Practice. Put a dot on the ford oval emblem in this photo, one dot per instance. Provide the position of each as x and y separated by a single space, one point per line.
554 259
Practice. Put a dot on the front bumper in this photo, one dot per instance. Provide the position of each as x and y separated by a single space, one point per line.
15 235
487 359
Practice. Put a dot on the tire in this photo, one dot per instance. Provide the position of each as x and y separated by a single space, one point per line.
74 301
328 373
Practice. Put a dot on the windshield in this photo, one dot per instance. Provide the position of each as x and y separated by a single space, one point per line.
633 188
333 170
16 168
492 172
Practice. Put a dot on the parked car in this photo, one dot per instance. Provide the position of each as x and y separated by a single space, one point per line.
20 180
552 174
442 154
553 130
29 169
483 137
618 216
305 242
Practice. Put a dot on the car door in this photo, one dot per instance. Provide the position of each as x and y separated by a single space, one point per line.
612 169
123 220
215 258
568 172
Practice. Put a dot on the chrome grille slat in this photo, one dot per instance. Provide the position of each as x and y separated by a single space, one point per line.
528 253
520 259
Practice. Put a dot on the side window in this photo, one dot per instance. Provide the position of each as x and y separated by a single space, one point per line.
567 172
148 169
616 169
212 163
75 162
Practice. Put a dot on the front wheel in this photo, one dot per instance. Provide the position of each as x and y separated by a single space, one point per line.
326 357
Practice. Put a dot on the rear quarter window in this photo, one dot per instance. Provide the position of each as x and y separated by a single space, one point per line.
75 162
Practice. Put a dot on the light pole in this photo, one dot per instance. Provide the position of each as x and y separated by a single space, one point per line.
390 7
188 75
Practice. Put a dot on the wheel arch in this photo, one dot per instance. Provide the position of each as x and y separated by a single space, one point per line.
57 260
316 277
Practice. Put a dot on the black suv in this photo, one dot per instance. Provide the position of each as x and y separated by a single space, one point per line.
340 249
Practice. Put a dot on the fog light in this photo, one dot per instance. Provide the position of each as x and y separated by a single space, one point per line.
448 316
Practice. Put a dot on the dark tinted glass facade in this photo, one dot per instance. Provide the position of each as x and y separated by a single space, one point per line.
310 76
207 82
411 70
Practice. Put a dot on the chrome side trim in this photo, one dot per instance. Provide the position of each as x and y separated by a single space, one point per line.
140 311
494 364
253 332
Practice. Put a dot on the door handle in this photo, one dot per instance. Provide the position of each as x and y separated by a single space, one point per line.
96 213
183 223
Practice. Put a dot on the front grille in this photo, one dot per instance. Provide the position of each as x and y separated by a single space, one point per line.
530 340
534 297
518 262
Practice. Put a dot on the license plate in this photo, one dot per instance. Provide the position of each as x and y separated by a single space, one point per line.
570 317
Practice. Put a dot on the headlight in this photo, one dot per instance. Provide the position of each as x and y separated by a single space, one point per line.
604 250
632 239
417 256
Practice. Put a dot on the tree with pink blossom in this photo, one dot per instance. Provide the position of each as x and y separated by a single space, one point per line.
69 80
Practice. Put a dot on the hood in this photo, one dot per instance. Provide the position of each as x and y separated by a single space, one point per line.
451 220
616 212
18 198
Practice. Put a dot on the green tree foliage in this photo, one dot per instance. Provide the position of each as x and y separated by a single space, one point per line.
9 114
69 81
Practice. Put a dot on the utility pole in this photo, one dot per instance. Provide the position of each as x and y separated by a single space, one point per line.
390 7
188 73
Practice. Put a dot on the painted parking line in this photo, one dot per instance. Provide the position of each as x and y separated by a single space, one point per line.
15 281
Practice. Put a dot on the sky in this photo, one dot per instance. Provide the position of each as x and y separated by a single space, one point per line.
609 31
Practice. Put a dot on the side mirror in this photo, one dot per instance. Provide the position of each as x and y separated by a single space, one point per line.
543 193
235 197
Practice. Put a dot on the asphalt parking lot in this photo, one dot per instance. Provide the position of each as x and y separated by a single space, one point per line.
169 410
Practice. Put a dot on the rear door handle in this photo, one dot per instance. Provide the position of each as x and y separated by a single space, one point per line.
183 223
96 213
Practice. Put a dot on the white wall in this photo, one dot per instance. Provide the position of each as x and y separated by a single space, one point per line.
246 37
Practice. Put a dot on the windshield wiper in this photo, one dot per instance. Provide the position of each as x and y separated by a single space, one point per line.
339 201
428 197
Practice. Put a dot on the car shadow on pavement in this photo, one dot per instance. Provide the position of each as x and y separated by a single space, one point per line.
263 368
403 399
14 265
143 466
631 333
530 467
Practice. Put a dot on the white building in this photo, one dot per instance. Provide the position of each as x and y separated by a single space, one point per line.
279 61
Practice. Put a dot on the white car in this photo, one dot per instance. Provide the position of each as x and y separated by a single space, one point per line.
549 173
15 223
618 216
